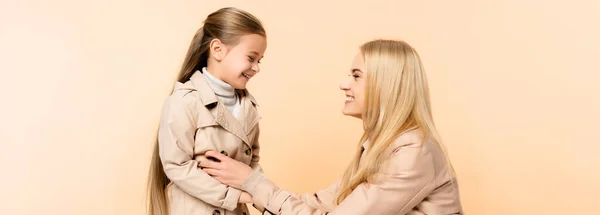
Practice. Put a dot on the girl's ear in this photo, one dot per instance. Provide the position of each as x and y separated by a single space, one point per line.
217 49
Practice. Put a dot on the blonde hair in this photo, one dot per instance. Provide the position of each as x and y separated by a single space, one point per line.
396 100
228 25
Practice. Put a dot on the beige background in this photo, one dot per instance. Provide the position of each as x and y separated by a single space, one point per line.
514 85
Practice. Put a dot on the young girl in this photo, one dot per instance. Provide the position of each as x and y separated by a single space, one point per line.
400 166
209 109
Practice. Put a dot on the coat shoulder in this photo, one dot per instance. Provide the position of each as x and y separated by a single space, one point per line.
410 138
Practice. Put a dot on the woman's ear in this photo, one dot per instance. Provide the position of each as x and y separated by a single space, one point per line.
217 49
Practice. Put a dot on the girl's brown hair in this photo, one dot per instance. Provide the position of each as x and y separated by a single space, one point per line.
227 25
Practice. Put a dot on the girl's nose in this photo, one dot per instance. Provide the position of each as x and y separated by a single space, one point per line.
256 68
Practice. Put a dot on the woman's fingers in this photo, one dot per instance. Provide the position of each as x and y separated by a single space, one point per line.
216 174
209 164
217 155
212 172
214 160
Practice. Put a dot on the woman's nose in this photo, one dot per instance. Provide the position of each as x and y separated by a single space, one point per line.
345 85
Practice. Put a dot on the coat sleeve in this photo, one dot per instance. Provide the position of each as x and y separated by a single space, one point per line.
323 199
176 143
396 190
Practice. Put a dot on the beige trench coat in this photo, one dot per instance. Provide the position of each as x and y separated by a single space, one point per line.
193 122
414 180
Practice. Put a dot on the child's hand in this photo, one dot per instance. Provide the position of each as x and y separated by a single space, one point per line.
227 170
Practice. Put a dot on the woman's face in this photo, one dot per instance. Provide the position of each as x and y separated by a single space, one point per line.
354 88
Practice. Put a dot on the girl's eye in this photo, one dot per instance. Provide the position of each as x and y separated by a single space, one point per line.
251 59
355 76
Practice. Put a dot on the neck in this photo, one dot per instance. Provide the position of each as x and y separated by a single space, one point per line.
220 87
225 92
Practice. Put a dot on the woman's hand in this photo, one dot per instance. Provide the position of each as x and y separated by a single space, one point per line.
245 198
226 170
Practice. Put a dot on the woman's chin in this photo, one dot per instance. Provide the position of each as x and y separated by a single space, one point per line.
354 114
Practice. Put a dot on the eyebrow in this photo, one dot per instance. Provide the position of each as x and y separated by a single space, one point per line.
356 70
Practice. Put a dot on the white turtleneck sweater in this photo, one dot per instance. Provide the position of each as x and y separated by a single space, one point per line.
225 92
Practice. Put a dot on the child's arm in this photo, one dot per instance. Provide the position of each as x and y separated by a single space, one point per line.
176 141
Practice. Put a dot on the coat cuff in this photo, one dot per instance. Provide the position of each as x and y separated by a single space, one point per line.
262 210
232 198
265 193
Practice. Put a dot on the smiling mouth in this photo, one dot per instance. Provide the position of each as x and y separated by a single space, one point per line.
349 99
246 76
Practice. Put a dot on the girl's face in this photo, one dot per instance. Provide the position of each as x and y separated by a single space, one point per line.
354 88
239 63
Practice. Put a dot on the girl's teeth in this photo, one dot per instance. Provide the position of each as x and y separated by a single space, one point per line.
349 99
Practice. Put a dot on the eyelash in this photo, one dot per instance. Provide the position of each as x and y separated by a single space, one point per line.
251 59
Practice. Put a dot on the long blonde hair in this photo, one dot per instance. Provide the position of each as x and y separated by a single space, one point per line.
396 100
228 25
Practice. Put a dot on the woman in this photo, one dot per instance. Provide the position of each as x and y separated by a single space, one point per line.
400 166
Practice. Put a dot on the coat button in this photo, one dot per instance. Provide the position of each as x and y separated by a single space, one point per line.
248 151
216 212
225 153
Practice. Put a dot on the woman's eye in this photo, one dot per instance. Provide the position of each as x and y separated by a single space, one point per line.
355 76
251 59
